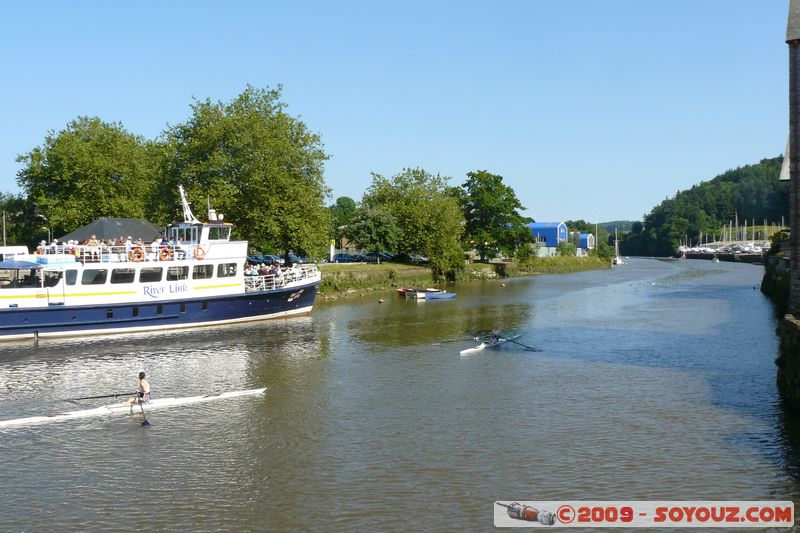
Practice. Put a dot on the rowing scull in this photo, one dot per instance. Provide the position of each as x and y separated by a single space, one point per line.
122 408
484 344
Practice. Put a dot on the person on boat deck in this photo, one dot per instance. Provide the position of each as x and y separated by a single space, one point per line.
142 392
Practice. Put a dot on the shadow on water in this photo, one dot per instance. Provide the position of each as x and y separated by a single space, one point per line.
789 429
412 324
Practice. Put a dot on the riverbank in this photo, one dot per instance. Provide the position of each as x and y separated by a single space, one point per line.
356 279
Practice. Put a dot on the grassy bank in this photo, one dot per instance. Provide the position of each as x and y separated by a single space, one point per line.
357 278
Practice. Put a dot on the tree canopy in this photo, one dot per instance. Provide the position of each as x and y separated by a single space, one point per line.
429 217
373 230
490 210
342 212
89 170
258 165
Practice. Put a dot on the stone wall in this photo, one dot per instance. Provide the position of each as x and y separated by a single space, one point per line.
789 360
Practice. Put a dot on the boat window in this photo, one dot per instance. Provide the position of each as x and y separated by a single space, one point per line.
51 278
29 280
150 275
217 233
202 271
226 270
122 275
177 273
8 279
93 276
72 277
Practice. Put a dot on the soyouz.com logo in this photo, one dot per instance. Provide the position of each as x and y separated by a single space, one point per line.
682 514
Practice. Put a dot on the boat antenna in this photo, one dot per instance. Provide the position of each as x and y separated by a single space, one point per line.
187 211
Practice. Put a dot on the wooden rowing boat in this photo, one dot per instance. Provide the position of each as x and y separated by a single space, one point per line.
488 344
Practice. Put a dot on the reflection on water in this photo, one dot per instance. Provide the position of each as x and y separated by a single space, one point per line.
654 381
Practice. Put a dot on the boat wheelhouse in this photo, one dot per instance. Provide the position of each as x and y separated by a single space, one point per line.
194 277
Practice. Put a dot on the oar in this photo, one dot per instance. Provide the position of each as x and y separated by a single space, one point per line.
456 340
101 396
144 422
529 348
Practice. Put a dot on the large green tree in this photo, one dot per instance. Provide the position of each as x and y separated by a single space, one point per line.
491 212
256 164
428 215
343 211
373 230
89 170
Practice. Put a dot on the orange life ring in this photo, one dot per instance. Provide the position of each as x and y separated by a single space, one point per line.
199 253
136 255
165 254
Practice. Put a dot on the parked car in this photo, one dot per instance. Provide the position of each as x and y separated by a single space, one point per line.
344 258
412 258
295 259
372 257
265 259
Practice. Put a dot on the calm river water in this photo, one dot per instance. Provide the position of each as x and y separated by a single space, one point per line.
652 381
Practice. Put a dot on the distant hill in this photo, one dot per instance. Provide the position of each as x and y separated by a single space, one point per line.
620 225
752 192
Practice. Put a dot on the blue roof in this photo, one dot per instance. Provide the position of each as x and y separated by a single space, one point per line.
542 225
19 264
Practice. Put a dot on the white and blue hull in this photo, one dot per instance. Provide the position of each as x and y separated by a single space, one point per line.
78 320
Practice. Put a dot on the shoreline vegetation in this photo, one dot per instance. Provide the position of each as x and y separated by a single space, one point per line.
345 280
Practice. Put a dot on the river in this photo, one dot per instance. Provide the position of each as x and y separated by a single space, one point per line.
650 381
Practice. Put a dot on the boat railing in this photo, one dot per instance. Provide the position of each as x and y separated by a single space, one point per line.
124 253
268 282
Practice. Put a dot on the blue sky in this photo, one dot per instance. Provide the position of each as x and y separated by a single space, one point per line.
587 108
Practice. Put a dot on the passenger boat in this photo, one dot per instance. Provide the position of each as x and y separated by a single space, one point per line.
196 280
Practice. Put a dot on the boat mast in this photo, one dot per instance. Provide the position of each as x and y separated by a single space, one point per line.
188 216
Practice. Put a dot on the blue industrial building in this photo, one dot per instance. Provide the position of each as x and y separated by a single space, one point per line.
549 234
586 241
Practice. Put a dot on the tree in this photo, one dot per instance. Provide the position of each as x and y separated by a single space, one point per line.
429 217
373 230
342 213
490 210
567 249
256 164
89 170
25 225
